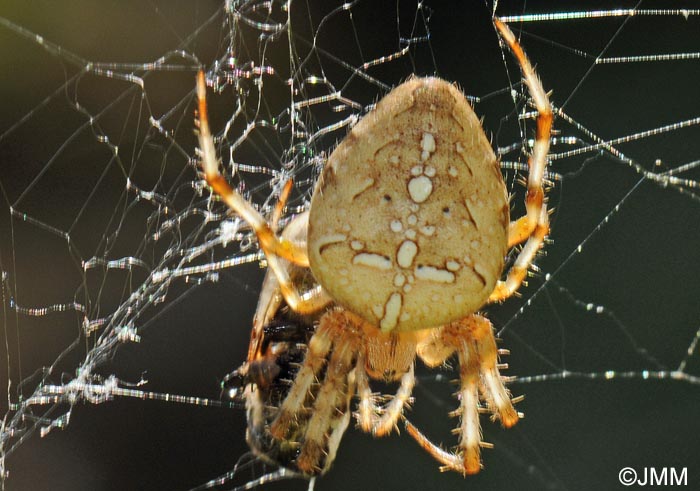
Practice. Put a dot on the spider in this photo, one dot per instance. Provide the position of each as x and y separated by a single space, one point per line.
404 241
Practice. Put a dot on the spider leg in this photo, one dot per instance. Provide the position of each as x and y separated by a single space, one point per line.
273 246
291 251
331 413
392 411
318 430
306 303
318 348
449 460
469 429
481 348
473 340
534 226
281 203
373 419
340 422
367 413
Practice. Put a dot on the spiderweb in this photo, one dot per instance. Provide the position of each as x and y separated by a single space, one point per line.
127 293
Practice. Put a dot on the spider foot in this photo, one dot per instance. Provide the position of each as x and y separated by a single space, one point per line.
465 464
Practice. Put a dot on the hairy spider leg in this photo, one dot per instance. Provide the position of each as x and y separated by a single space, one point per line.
332 401
340 335
474 343
281 203
534 226
318 348
472 338
391 413
273 246
367 408
381 421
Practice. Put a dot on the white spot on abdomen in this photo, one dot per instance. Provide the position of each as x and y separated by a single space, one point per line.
434 274
419 188
427 145
372 260
357 245
407 252
392 309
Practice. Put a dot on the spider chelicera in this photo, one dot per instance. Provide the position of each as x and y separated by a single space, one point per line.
404 241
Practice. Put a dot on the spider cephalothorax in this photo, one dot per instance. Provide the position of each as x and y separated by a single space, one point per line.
404 241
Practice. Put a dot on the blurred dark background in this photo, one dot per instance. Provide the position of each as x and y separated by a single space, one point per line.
642 265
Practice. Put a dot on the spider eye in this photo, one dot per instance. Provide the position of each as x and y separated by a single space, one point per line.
386 198
446 210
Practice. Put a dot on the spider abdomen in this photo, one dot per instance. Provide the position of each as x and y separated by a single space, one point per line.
409 221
